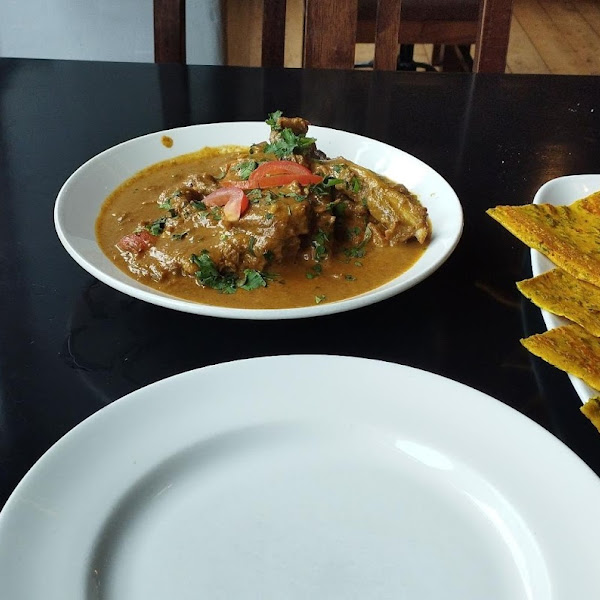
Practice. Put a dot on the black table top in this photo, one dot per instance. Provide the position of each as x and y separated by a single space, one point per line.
70 345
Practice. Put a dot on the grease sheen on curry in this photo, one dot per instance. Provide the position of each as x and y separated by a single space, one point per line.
303 229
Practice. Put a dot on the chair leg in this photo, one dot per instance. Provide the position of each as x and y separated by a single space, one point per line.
437 55
406 60
457 59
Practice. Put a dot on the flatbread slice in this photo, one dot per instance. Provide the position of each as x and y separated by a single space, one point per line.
591 409
570 348
568 235
562 294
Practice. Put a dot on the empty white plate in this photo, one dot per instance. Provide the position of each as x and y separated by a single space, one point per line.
304 477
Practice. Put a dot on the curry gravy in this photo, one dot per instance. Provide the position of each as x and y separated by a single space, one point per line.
342 277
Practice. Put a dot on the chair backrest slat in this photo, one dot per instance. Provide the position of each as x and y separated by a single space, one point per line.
273 38
169 31
493 32
387 29
330 34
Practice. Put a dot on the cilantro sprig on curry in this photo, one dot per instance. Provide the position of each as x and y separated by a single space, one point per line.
275 225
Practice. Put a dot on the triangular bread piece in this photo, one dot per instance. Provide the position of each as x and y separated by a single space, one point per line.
591 409
568 235
562 294
570 348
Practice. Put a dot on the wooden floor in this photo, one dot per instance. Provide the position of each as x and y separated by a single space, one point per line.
546 36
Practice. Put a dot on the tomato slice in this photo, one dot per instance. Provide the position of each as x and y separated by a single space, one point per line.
232 199
137 242
236 207
222 196
242 185
276 173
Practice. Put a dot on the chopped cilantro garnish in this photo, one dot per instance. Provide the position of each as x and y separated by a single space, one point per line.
251 243
166 205
227 283
157 227
252 280
269 216
339 209
320 298
359 251
287 143
355 184
209 276
319 244
273 120
314 272
199 205
244 169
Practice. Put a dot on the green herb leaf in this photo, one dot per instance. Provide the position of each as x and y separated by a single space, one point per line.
355 184
331 181
244 169
319 299
272 120
199 205
251 243
319 244
157 227
287 143
359 251
252 280
166 205
209 276
339 209
314 272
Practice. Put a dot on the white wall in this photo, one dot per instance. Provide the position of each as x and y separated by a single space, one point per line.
113 30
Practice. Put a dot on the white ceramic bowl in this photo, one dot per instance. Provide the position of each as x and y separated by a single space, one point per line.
79 201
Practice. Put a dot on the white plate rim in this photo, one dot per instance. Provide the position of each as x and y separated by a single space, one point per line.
440 249
516 460
560 191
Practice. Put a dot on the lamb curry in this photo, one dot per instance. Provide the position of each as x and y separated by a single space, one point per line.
276 225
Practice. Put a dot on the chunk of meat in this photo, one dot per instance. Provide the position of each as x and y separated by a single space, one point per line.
391 205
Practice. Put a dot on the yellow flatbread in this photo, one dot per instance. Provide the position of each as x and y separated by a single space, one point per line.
562 294
591 409
568 235
570 348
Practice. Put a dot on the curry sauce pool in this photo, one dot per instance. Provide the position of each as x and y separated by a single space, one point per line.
276 225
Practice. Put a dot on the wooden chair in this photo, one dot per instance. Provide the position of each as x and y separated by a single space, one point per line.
332 28
452 26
